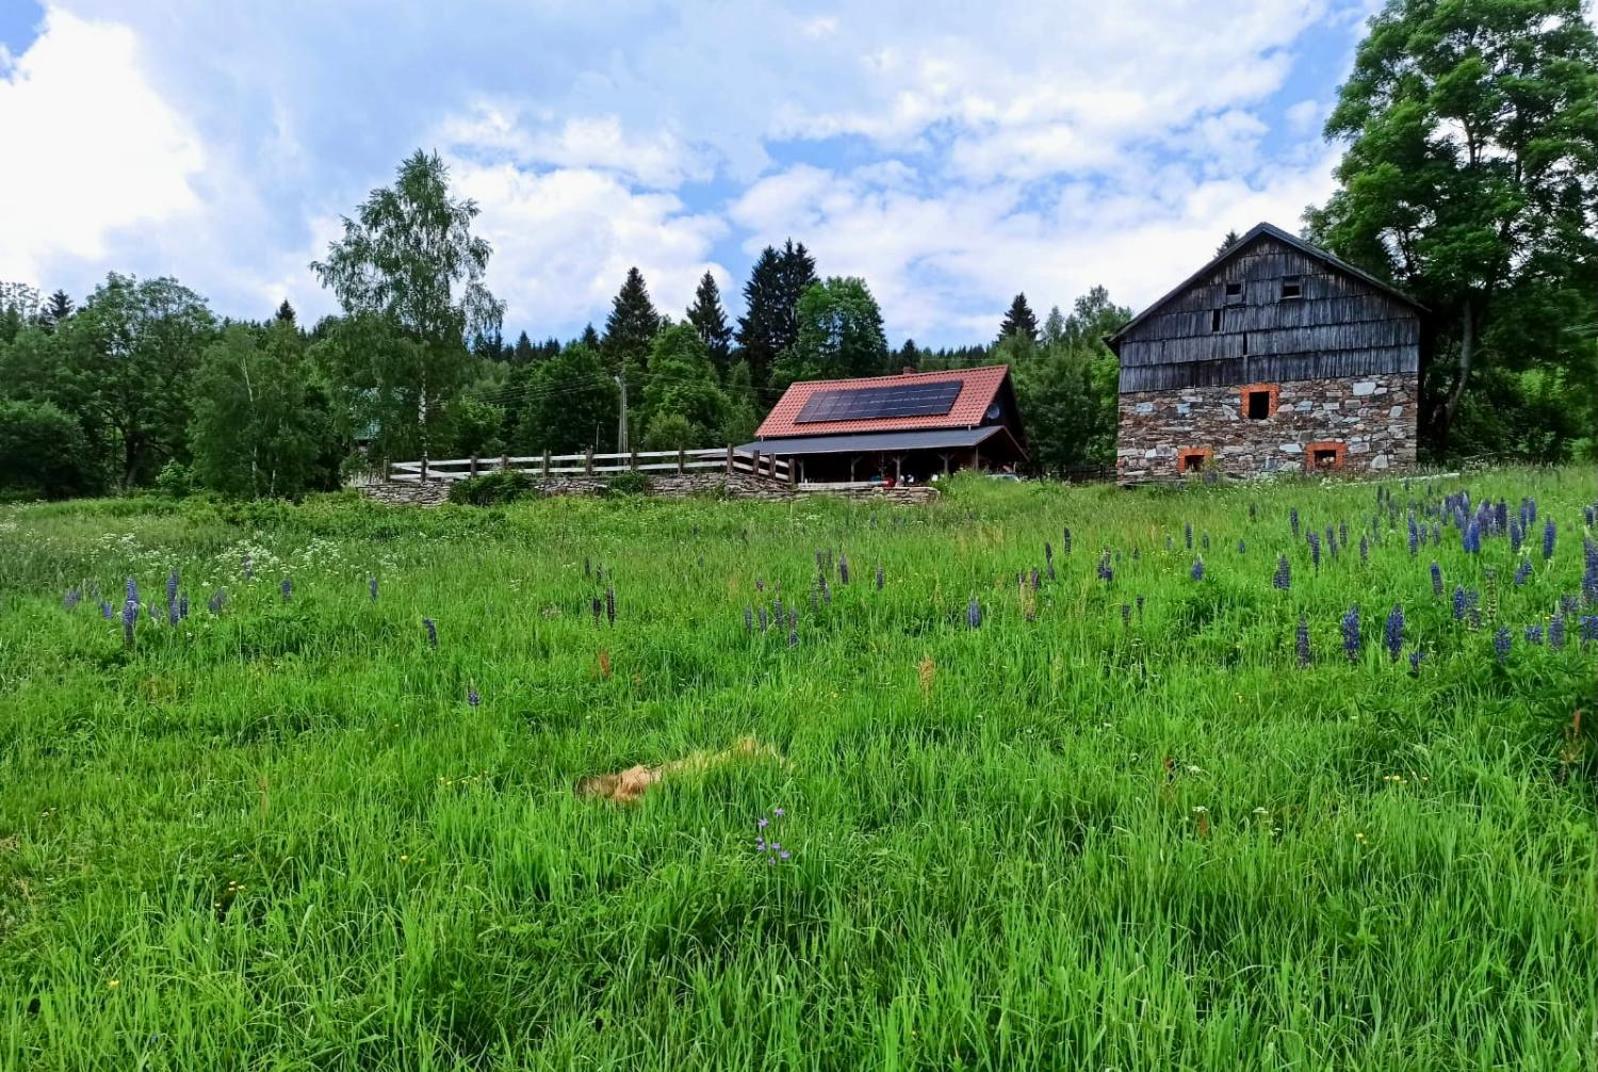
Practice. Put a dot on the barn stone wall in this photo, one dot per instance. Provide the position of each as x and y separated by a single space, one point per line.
1372 417
663 486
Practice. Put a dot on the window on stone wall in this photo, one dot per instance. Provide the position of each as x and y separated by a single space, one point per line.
1259 405
1292 287
1326 456
1193 459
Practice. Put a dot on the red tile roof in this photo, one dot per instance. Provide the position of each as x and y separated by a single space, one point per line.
977 391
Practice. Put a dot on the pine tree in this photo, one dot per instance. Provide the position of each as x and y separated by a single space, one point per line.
522 352
909 356
770 325
632 325
285 314
710 320
1019 319
56 309
590 338
1226 243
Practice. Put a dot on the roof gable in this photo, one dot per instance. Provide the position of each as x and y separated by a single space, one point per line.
979 387
1255 235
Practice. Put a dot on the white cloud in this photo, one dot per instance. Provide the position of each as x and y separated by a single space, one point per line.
93 148
564 239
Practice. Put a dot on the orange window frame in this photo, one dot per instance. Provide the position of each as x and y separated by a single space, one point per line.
1184 454
1254 388
1339 454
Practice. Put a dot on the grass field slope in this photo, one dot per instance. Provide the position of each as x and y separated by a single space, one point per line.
1254 777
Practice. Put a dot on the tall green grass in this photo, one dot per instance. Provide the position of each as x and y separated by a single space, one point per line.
281 837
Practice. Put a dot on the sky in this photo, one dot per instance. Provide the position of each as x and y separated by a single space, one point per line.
952 154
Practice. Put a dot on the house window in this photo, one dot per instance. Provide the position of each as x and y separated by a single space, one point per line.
1325 457
1292 287
1215 320
1234 294
1193 459
1258 400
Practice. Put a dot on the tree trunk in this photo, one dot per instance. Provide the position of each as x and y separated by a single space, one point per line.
1467 354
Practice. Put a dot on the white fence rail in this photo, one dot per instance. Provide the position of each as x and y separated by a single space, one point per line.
727 459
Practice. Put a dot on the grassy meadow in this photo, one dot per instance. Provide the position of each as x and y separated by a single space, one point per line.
1107 822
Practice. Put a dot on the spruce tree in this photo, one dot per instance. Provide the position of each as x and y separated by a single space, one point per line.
770 325
285 314
1226 243
632 325
710 320
1019 320
590 338
56 309
522 352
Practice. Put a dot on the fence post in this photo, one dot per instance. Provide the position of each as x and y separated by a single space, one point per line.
793 478
424 469
682 461
388 471
632 461
588 462
546 465
504 462
474 465
729 459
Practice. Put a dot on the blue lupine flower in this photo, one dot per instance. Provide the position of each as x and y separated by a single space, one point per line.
1301 640
1517 534
130 618
72 599
749 620
1501 643
1126 614
1459 603
1414 535
1588 629
610 604
1315 549
1549 532
1048 552
1437 580
1342 533
1037 580
1393 632
131 589
1106 573
1187 534
843 568
287 588
1140 606
432 632
1198 569
218 598
1283 578
1472 538
973 614
371 586
793 635
880 578
1364 548
183 607
172 587
1065 541
596 607
776 609
1241 547
105 610
1351 638
1292 517
1415 658
472 698
1522 572
1331 541
1556 632
760 613
1534 634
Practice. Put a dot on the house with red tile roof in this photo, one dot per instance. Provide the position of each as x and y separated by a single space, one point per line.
906 427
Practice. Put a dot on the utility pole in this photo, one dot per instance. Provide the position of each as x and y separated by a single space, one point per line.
621 421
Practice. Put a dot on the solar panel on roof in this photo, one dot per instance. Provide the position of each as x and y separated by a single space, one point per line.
895 400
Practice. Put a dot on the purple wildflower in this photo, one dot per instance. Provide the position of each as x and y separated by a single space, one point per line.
172 587
1197 571
1522 572
130 618
432 632
1556 632
1106 573
1292 517
1472 538
749 619
72 599
287 588
1501 643
879 578
760 616
610 604
1302 642
1065 541
1315 549
1549 533
183 607
472 698
843 568
1342 533
1283 578
1414 535
778 812
1187 534
1415 658
1364 548
1037 580
1459 603
1534 635
1393 632
105 610
1126 614
1588 628
1437 579
131 590
1351 637
371 586
218 598
973 614
1140 606
596 607
1517 534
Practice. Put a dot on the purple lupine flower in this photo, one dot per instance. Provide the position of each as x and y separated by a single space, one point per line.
1331 541
1140 606
287 588
172 581
1204 541
1048 552
760 616
1437 579
1459 603
1292 518
1589 514
218 598
1351 638
1522 572
183 607
596 607
1549 532
610 604
1556 632
1364 548
1414 535
1187 534
371 586
1472 538
131 592
1197 572
1517 535
1302 642
749 620
1241 547
1106 573
1037 580
1393 632
130 618
472 698
1342 533
432 632
776 609
1588 629
172 616
880 578
1501 643
1050 571
826 592
973 614
1415 658
843 568
1315 549
72 599
1283 578
1126 614
106 611
1065 541
1534 635
793 636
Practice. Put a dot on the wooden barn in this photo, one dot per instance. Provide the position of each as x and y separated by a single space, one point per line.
1274 357
907 427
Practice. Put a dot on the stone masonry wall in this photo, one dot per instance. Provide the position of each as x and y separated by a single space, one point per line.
1373 418
667 486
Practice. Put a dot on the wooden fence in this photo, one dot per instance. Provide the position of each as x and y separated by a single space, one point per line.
545 466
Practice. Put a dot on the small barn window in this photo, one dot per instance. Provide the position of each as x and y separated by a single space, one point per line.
1292 287
1234 294
1215 320
1325 457
1193 459
1258 400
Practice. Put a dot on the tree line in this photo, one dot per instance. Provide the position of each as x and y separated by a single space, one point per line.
1470 180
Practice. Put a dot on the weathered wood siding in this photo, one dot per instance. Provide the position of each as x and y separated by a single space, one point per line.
1339 327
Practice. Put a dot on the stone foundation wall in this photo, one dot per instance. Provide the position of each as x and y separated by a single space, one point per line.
1372 417
669 486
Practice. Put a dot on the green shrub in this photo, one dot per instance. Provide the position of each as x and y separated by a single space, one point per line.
628 483
175 480
492 489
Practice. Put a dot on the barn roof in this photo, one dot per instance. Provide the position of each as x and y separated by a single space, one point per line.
883 442
1254 234
978 387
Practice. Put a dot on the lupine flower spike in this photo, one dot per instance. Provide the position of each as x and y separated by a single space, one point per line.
432 632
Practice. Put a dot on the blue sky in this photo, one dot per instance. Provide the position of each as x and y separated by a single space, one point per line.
950 153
